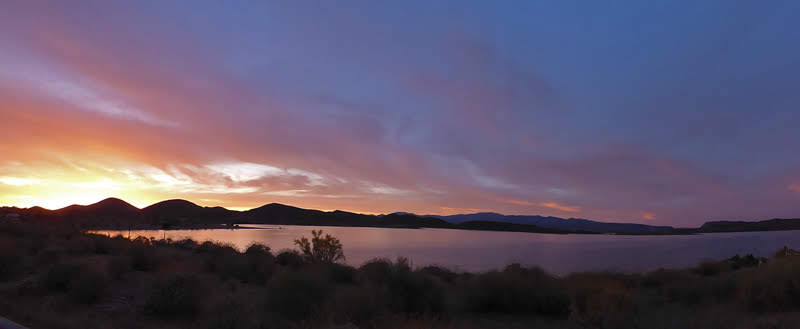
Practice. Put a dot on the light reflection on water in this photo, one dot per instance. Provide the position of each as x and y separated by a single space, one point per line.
482 250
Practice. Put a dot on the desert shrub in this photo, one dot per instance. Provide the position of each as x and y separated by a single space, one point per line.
296 295
175 295
786 252
256 265
9 258
61 276
144 257
89 287
289 258
102 244
340 273
723 288
603 300
49 255
708 268
661 277
406 291
221 259
357 304
775 287
677 286
259 263
207 246
253 267
443 274
12 229
685 286
185 244
118 266
327 249
377 270
413 292
229 313
257 249
737 262
79 244
517 290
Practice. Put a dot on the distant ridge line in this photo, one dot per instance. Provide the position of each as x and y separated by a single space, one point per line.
178 213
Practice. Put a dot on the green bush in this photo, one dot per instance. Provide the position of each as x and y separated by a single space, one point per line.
175 295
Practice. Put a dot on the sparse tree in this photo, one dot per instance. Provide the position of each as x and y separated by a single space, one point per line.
327 249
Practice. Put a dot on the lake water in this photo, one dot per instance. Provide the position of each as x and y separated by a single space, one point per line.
482 250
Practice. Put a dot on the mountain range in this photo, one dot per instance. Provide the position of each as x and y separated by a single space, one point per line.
571 224
116 213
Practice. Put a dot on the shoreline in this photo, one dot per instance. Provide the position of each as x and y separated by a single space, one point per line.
678 232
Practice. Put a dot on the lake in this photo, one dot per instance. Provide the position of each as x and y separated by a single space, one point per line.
482 250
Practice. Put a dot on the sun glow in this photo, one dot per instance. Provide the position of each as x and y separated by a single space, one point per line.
54 189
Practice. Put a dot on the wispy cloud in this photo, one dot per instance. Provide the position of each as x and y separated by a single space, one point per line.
18 181
474 113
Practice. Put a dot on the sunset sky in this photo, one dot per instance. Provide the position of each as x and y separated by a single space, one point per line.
672 112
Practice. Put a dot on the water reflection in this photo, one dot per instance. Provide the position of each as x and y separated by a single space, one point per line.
480 250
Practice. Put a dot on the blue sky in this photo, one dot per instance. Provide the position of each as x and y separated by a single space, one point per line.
667 112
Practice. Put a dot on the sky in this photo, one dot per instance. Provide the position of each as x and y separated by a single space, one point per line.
657 112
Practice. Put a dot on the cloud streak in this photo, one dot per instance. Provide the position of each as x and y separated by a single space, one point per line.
528 109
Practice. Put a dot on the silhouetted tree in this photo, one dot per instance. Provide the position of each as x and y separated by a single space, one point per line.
321 249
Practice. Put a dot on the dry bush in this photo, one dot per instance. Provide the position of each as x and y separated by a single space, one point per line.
773 287
176 295
517 290
297 295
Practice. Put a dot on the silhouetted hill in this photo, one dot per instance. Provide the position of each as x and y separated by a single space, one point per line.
571 224
111 208
116 213
777 224
486 225
107 207
275 213
176 212
409 220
